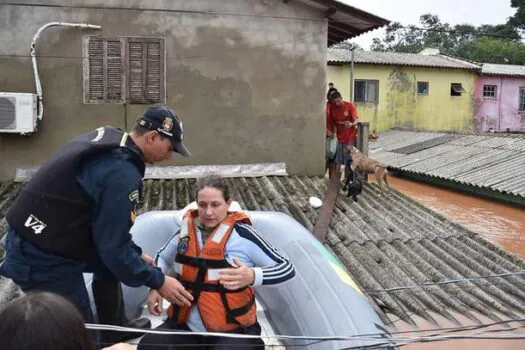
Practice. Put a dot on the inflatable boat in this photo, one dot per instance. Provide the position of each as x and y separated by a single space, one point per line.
322 300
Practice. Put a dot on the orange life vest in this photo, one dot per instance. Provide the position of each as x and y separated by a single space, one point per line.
221 310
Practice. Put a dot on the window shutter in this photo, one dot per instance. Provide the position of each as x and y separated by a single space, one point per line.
153 84
121 69
95 56
146 70
136 72
114 72
104 78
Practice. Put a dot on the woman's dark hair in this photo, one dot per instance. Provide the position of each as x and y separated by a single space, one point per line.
330 92
42 320
335 94
216 182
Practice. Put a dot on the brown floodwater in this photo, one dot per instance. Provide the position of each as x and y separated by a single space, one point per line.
499 223
462 344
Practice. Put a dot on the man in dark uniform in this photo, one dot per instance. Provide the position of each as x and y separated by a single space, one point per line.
74 216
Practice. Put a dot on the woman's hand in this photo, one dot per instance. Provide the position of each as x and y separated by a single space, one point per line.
154 302
236 278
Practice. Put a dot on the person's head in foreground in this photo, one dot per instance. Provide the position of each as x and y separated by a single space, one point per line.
42 320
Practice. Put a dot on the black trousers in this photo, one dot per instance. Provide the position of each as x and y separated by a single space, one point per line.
192 342
35 269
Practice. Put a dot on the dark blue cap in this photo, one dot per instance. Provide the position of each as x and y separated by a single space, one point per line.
163 119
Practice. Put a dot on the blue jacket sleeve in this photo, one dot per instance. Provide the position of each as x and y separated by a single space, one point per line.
109 182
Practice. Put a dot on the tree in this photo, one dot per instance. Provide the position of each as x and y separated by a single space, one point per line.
486 43
491 50
412 39
518 20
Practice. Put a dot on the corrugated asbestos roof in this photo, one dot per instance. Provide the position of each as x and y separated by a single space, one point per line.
344 21
384 241
493 162
502 69
399 59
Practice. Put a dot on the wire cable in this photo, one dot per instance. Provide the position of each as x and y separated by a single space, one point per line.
199 12
458 280
213 55
379 340
234 14
370 336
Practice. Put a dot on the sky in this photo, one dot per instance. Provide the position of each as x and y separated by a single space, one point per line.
474 12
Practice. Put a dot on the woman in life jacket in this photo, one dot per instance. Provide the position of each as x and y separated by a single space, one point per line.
219 257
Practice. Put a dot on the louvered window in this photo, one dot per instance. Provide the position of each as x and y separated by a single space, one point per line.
120 70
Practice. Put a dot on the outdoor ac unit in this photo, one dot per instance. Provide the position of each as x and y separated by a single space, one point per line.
18 112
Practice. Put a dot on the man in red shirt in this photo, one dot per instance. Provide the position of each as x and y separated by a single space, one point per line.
341 120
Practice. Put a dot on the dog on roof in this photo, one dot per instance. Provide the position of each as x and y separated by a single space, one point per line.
362 163
354 186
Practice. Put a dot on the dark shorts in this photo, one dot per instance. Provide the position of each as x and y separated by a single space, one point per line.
341 155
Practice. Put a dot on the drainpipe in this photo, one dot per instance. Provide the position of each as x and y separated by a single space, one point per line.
499 104
352 73
363 129
33 56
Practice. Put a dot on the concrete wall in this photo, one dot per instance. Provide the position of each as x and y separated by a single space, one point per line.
249 88
399 104
501 113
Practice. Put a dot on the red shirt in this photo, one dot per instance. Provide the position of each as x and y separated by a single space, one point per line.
336 115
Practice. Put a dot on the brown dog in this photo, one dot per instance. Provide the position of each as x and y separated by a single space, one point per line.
362 163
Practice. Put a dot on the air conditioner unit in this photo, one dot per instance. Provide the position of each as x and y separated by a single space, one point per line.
18 112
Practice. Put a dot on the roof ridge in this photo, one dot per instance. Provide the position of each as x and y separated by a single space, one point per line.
401 59
447 56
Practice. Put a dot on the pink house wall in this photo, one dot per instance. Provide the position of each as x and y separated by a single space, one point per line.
501 113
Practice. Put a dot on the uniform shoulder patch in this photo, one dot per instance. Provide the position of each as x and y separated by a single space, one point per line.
183 245
134 196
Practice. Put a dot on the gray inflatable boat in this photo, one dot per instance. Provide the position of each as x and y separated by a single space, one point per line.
321 301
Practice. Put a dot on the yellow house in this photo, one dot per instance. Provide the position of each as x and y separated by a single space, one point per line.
428 91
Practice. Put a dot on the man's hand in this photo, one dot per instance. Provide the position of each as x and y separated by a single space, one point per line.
236 278
154 302
175 292
329 134
148 259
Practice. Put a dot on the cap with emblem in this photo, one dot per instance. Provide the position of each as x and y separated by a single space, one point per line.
163 119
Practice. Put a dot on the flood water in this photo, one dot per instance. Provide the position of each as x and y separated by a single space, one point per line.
501 224
462 344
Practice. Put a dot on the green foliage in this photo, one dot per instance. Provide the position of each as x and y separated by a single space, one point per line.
486 43
518 20
490 50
